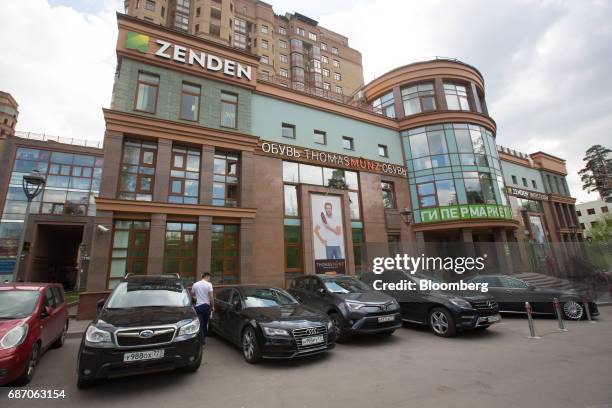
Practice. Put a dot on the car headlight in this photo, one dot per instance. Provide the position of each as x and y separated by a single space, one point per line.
354 305
274 332
14 337
395 304
98 338
190 329
461 303
330 325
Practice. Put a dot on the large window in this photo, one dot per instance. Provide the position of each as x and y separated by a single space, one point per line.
146 92
456 97
184 175
225 254
293 249
180 250
225 179
229 110
429 150
479 188
190 102
388 194
291 201
419 98
385 105
130 250
137 170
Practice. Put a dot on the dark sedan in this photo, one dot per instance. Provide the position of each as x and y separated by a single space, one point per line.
511 293
267 322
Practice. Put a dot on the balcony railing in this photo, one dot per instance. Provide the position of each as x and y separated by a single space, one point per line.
65 140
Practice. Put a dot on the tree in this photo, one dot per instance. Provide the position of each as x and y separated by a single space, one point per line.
597 172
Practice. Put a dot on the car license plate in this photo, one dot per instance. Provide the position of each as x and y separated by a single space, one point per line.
143 355
307 341
493 319
383 319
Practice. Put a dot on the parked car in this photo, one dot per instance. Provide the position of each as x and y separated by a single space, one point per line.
511 293
33 318
445 312
267 322
147 324
352 306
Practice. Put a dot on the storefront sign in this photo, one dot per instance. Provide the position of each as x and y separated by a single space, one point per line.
332 159
183 55
531 195
323 266
466 212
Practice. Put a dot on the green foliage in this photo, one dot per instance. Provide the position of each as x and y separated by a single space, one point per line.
596 175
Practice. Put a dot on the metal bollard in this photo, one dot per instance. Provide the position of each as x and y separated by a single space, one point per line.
585 305
532 331
557 306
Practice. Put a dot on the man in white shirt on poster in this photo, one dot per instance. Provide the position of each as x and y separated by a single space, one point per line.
329 231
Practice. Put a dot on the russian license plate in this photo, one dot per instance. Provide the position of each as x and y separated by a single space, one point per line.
143 355
493 319
384 319
307 341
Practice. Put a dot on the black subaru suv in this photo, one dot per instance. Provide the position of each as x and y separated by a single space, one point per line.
147 324
352 306
445 312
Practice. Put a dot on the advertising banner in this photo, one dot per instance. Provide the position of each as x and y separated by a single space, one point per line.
328 233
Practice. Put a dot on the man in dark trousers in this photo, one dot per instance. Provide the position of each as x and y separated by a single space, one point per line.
202 291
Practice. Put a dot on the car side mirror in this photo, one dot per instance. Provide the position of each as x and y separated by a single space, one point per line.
100 304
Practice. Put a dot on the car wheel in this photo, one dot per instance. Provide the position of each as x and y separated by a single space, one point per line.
573 310
192 368
62 338
250 346
338 326
30 368
441 322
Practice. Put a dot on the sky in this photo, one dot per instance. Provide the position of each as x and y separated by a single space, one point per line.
546 63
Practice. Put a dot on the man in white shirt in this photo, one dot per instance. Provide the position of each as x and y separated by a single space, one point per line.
202 291
329 232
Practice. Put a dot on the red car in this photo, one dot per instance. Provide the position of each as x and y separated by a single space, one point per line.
33 318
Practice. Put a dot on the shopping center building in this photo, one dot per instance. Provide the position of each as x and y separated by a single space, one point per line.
209 166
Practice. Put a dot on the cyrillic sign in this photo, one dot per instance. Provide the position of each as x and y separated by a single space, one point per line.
184 55
331 159
531 195
466 212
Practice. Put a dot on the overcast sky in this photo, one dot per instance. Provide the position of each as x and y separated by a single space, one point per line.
547 64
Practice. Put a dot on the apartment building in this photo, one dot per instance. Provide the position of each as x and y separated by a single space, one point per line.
8 114
592 213
294 50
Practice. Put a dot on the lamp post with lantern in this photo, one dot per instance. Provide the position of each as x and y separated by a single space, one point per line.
32 184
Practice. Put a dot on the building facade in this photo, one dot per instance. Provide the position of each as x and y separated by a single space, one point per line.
9 113
294 50
592 213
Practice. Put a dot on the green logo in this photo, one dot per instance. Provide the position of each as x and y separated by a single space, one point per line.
138 42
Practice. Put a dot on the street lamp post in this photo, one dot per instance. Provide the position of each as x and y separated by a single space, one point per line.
32 184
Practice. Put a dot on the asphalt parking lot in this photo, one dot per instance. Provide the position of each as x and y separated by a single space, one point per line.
499 367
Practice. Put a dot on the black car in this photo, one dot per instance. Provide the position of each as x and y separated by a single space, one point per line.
147 324
445 312
511 293
353 306
267 322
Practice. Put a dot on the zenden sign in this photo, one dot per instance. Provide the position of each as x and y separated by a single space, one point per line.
465 212
184 55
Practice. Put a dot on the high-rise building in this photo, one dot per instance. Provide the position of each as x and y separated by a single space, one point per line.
293 49
8 115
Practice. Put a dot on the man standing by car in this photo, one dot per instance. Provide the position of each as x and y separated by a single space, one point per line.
202 290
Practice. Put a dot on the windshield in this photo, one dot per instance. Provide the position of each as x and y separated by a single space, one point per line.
17 304
257 297
143 294
345 285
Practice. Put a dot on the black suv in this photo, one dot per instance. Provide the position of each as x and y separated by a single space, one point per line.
352 306
147 324
445 312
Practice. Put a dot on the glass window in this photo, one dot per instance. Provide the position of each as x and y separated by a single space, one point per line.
137 170
290 172
225 252
473 191
464 141
456 97
229 109
288 131
385 105
130 250
388 194
291 201
293 249
320 137
418 98
348 143
445 192
146 92
226 179
190 101
426 192
180 251
418 145
311 174
184 175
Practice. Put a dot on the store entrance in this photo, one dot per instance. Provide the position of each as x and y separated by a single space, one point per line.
56 254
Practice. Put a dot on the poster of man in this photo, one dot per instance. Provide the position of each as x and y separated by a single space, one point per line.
327 227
